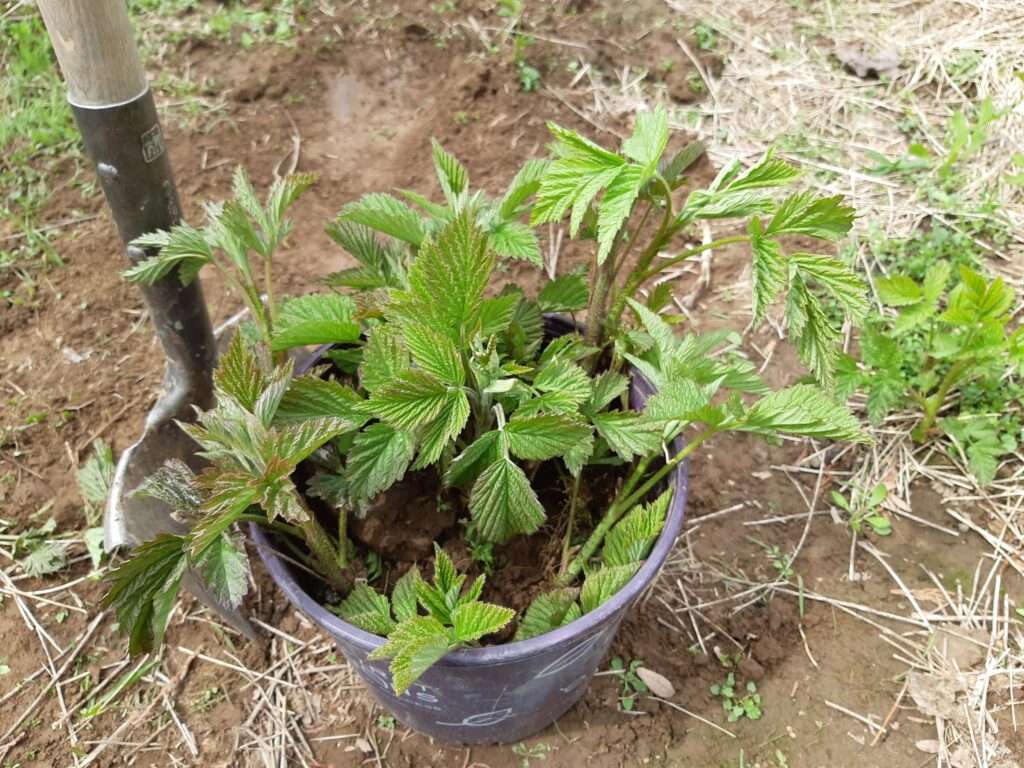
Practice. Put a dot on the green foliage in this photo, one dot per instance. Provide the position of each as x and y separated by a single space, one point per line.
738 702
934 345
631 684
455 618
863 508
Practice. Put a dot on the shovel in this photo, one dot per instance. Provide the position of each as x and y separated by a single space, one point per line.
116 115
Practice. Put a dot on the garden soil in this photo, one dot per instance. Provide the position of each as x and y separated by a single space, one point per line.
357 102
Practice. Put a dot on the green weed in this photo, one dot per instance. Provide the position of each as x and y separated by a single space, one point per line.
736 701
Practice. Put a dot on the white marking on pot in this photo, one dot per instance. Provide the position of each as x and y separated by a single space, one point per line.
571 656
106 171
574 684
483 719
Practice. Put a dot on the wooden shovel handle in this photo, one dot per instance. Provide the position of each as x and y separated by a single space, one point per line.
95 46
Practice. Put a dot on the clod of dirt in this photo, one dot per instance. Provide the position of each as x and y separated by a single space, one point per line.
963 647
750 669
863 61
936 695
402 523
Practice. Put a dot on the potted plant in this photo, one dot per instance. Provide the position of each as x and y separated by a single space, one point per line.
447 428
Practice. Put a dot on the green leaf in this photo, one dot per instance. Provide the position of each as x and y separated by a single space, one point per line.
568 293
579 162
403 596
473 620
174 484
649 138
413 647
471 462
310 397
293 443
502 503
616 206
325 318
384 358
44 558
525 184
804 213
497 314
450 174
239 374
769 269
628 433
224 567
817 341
381 266
566 379
770 172
96 475
385 214
448 425
515 240
367 609
435 354
841 282
681 161
184 247
144 588
447 281
547 612
579 455
607 387
94 546
803 410
631 539
602 584
677 400
411 400
379 457
538 438
265 408
898 290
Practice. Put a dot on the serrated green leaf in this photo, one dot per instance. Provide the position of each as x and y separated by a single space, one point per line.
293 443
567 293
578 162
270 398
769 269
538 438
631 539
615 207
451 174
473 620
144 588
502 503
607 387
403 596
602 584
387 215
367 609
378 458
310 397
769 172
497 314
817 341
224 567
413 646
384 358
677 400
435 354
803 410
649 138
239 374
411 400
681 161
566 379
184 247
547 612
174 484
839 280
579 455
325 318
96 475
515 240
628 433
524 185
898 291
805 213
467 466
448 425
44 558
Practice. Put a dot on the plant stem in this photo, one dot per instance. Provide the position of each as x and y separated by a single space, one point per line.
597 311
567 543
324 553
268 288
934 403
276 525
625 500
342 558
647 274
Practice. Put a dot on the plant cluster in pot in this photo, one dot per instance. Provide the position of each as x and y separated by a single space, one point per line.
463 488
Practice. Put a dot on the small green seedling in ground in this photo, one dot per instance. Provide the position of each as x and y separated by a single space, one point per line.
780 561
632 685
94 480
528 752
863 509
386 722
707 38
98 707
937 347
36 552
738 702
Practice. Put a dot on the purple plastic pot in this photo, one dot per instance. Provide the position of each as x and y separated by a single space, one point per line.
500 693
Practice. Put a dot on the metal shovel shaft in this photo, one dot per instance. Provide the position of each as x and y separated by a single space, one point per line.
115 112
